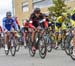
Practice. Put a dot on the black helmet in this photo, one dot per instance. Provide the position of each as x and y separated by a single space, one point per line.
46 15
8 13
37 10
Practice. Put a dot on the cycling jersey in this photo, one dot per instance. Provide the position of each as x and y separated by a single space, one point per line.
59 19
56 29
64 27
8 24
26 24
34 21
25 27
72 23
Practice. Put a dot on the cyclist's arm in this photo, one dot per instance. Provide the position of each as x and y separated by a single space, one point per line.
45 23
31 21
31 25
3 24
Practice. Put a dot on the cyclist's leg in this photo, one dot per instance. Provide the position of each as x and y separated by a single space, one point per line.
32 37
64 34
58 35
56 38
6 40
14 37
24 38
59 25
25 35
12 30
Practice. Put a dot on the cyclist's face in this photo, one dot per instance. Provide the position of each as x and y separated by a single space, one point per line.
9 16
37 14
45 17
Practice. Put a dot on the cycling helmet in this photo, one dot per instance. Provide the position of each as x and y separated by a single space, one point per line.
46 15
37 10
8 13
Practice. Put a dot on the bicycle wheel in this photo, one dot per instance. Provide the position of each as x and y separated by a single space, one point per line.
42 48
61 43
32 53
48 43
12 47
53 41
17 45
67 44
7 52
71 53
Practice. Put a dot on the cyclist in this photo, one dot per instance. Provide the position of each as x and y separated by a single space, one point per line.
8 24
24 30
17 22
60 25
34 20
52 22
73 26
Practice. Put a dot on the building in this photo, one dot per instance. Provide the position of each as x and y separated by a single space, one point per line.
23 8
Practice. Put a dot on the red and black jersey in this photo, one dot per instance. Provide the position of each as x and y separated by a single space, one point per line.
35 20
26 24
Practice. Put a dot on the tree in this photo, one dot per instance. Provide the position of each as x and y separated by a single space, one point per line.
58 7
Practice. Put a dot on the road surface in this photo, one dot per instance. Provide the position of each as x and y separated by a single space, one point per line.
22 58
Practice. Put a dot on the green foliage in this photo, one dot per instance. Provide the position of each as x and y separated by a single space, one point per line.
58 7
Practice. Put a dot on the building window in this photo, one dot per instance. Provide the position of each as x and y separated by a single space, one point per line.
25 7
68 0
34 1
42 3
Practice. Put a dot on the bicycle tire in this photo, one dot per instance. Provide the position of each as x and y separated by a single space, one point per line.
42 47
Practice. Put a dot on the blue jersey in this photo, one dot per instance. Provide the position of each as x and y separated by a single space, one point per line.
9 23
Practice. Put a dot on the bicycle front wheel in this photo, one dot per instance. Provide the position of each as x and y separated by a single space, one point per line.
42 48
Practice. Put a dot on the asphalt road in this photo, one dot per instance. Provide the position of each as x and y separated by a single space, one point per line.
22 58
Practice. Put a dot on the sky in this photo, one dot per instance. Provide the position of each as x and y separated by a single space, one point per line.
5 5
